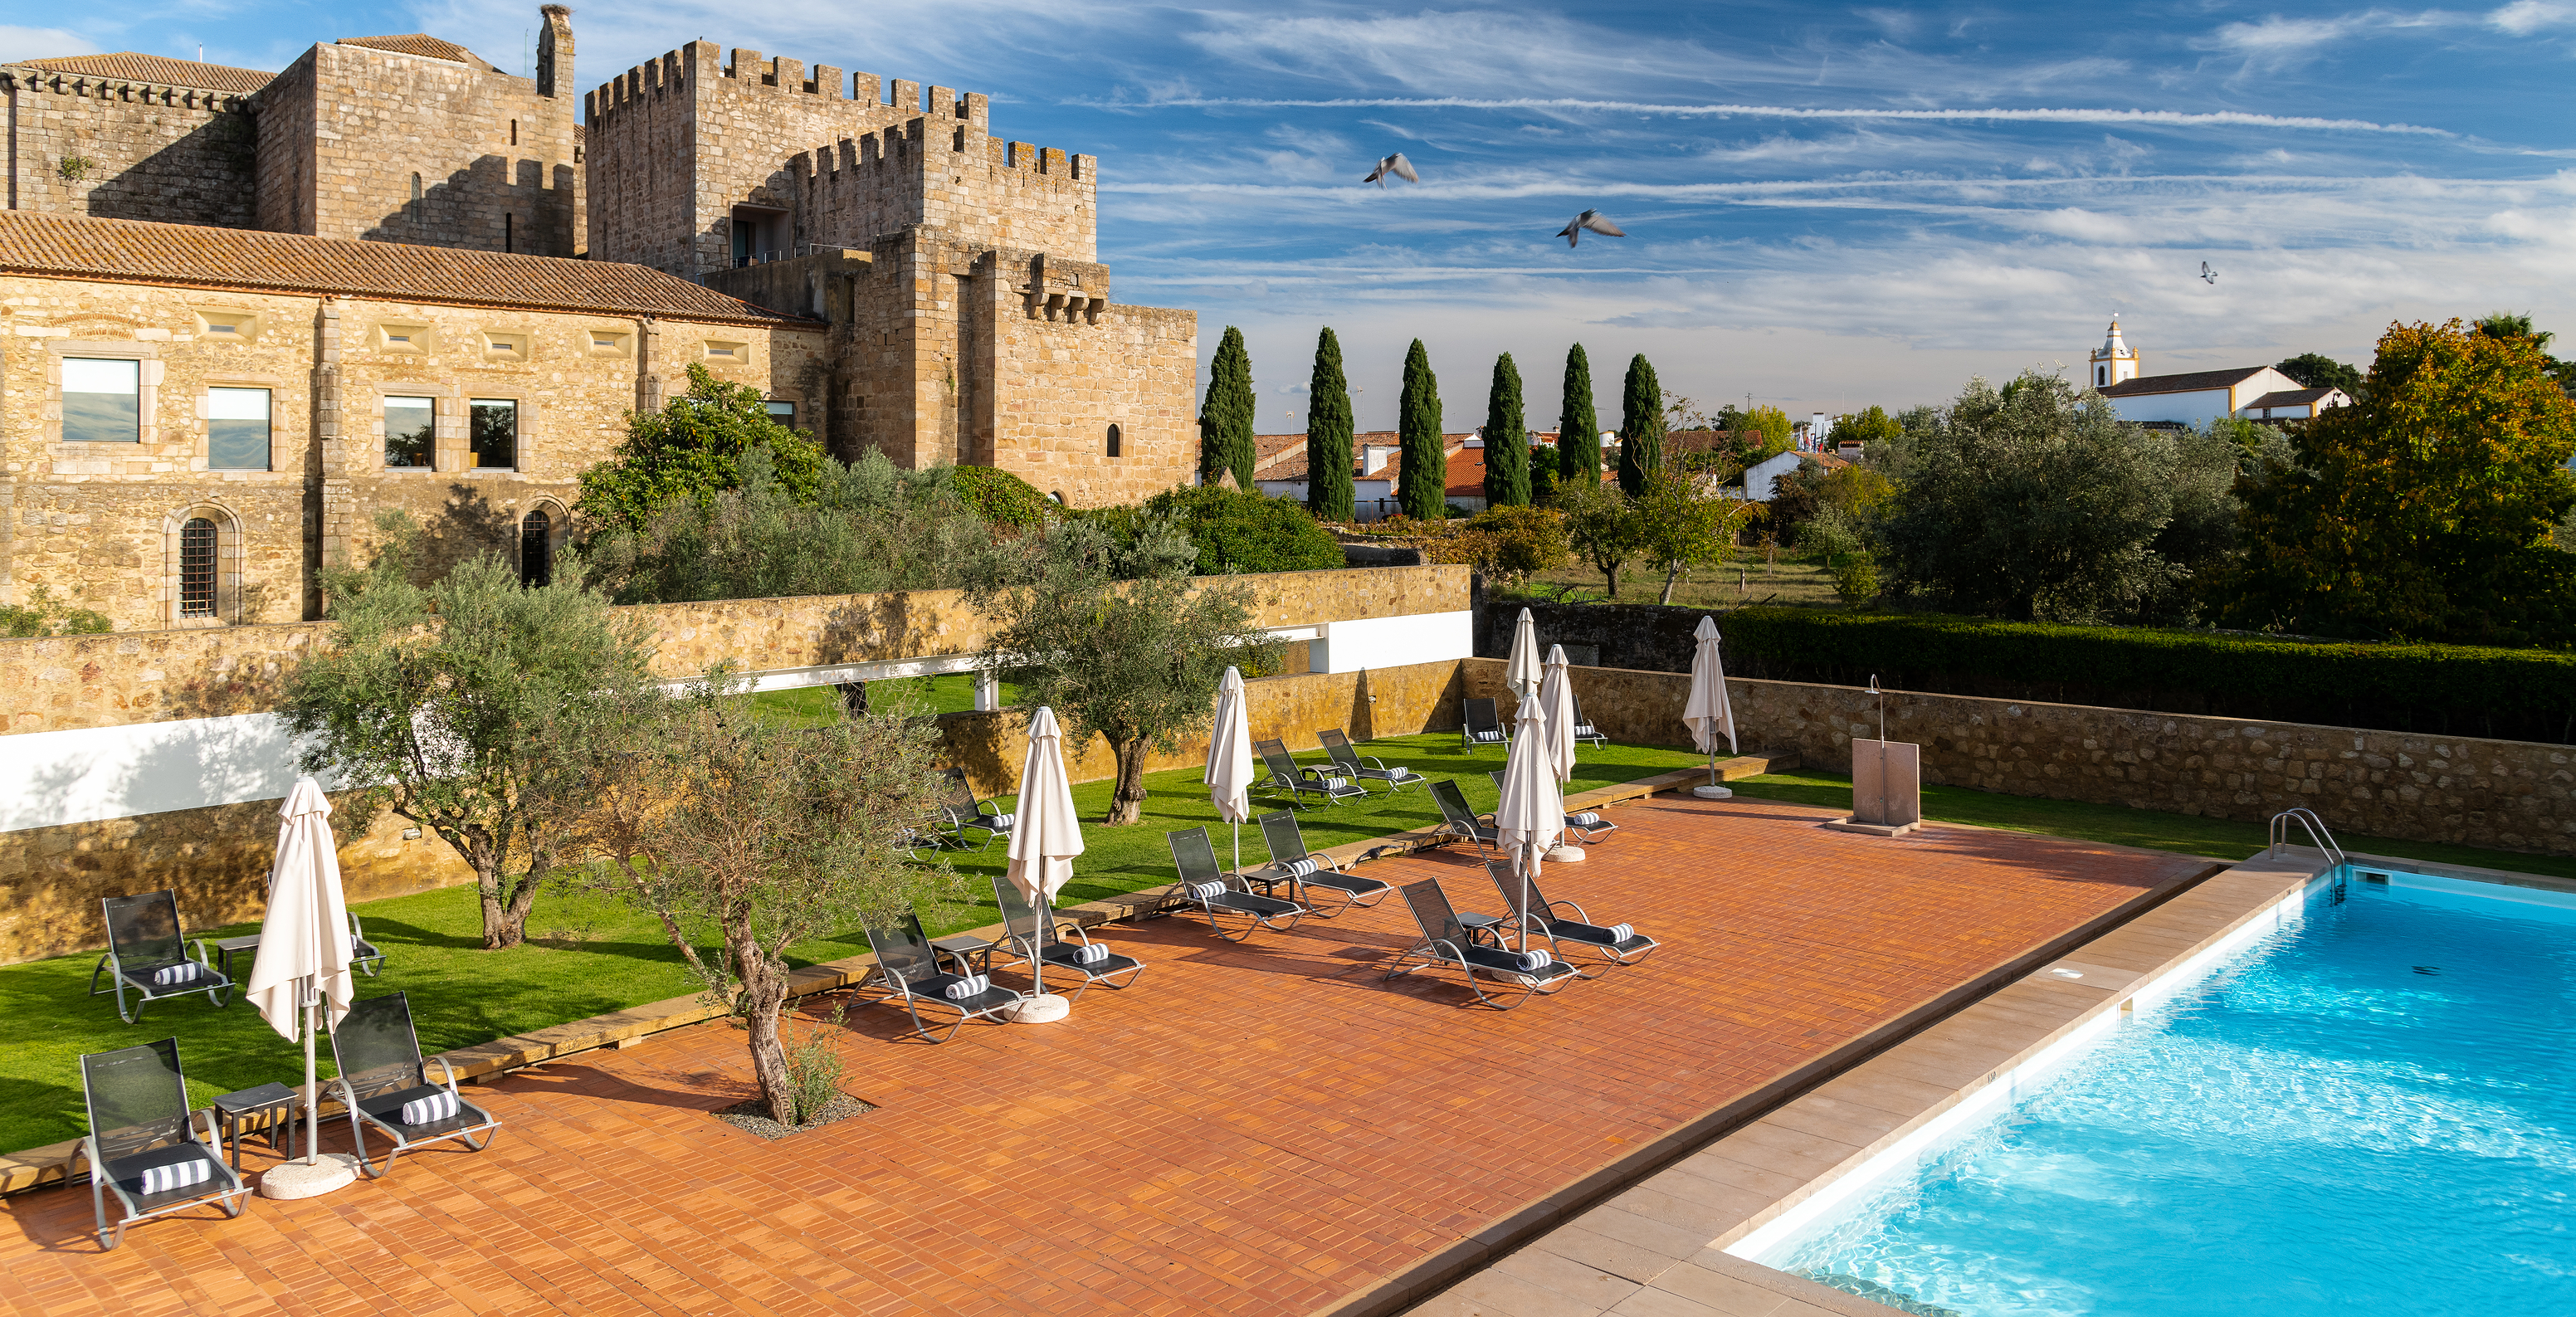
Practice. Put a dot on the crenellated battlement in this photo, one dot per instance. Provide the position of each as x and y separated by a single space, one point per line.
747 71
91 86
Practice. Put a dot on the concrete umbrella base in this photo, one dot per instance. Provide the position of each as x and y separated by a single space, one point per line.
1042 1009
1565 855
299 1179
1712 793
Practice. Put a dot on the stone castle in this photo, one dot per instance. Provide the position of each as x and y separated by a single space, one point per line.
241 312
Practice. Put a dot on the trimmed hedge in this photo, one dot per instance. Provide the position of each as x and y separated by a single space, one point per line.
1001 497
2457 690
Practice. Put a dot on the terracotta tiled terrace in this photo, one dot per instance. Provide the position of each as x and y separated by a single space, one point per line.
1256 1128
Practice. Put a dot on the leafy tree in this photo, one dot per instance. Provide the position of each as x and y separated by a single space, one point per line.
1245 531
1543 477
693 449
1868 425
1603 526
1000 497
1507 542
2031 502
1641 428
2315 370
1773 425
2509 324
767 838
2426 510
1226 417
1680 525
1578 427
1422 486
44 615
1135 662
869 527
1328 434
465 707
1507 454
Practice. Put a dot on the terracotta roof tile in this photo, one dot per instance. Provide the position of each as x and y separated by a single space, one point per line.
422 43
188 255
134 66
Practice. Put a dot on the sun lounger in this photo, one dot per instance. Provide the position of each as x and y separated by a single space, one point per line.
1616 945
1482 726
908 967
1299 780
965 810
1584 730
1219 894
147 956
1585 826
143 1146
384 1081
1363 768
1447 942
1459 820
1304 871
1035 936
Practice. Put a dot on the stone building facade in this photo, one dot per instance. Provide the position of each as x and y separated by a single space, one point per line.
964 316
194 420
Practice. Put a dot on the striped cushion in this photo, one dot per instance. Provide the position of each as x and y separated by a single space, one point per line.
1621 932
1533 960
1333 783
1001 821
186 971
1583 820
973 985
1300 868
1489 736
177 1175
423 1110
1206 891
1090 953
1584 729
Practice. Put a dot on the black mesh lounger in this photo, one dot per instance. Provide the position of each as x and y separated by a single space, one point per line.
909 967
381 1069
1218 893
1298 780
1606 942
1482 726
139 1127
1460 820
364 956
1292 863
147 956
1034 936
1584 730
1585 826
1362 767
965 810
1446 941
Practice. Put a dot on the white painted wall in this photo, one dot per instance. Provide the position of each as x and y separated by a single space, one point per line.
89 774
1387 642
1763 476
2190 408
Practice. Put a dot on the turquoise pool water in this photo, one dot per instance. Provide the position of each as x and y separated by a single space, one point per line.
2370 1110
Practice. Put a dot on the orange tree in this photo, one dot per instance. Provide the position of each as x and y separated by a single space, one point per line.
2423 512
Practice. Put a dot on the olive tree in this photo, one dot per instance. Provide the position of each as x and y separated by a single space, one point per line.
1134 661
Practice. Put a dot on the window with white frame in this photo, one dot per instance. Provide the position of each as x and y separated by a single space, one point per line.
237 429
102 400
411 433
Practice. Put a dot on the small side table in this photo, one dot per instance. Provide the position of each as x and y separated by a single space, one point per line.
238 1111
225 950
969 949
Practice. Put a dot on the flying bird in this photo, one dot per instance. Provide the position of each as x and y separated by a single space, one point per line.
2207 274
1590 219
1395 164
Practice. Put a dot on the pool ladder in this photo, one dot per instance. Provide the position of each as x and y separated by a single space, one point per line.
2319 836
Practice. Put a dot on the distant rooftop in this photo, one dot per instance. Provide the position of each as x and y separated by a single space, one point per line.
2198 381
422 43
135 66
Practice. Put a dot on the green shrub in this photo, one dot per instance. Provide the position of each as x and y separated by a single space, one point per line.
1000 497
44 615
1856 579
1243 531
693 449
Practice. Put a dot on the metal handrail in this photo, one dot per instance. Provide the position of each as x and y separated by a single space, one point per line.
2318 834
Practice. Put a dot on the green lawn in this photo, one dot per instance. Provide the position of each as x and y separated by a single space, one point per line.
593 956
2119 824
952 692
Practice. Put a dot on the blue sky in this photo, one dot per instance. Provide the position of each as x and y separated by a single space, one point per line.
1822 212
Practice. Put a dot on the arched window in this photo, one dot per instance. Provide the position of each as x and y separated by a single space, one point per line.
1113 441
536 549
197 568
415 187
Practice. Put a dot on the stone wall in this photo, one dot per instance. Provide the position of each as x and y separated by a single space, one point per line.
184 155
2507 795
98 523
347 132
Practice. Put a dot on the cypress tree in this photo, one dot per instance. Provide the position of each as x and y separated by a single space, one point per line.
1641 427
1328 433
1423 489
1507 478
1225 418
1578 429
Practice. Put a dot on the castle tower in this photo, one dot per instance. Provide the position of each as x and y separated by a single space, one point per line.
2115 362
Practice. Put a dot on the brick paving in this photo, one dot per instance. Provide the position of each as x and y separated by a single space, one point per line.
1254 1128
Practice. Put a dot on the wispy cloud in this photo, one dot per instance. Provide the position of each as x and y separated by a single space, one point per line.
2140 118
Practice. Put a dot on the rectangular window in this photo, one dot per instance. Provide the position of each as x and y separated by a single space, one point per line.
102 400
237 429
495 441
784 413
411 434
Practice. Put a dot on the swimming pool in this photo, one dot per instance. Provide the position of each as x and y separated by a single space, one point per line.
2370 1108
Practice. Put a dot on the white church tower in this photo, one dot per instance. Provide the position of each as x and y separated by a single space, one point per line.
2115 362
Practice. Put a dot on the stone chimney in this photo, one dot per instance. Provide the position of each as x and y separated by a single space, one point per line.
554 51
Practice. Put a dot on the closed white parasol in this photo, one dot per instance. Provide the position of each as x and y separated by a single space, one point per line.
1531 815
1707 713
303 967
1229 759
1043 845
